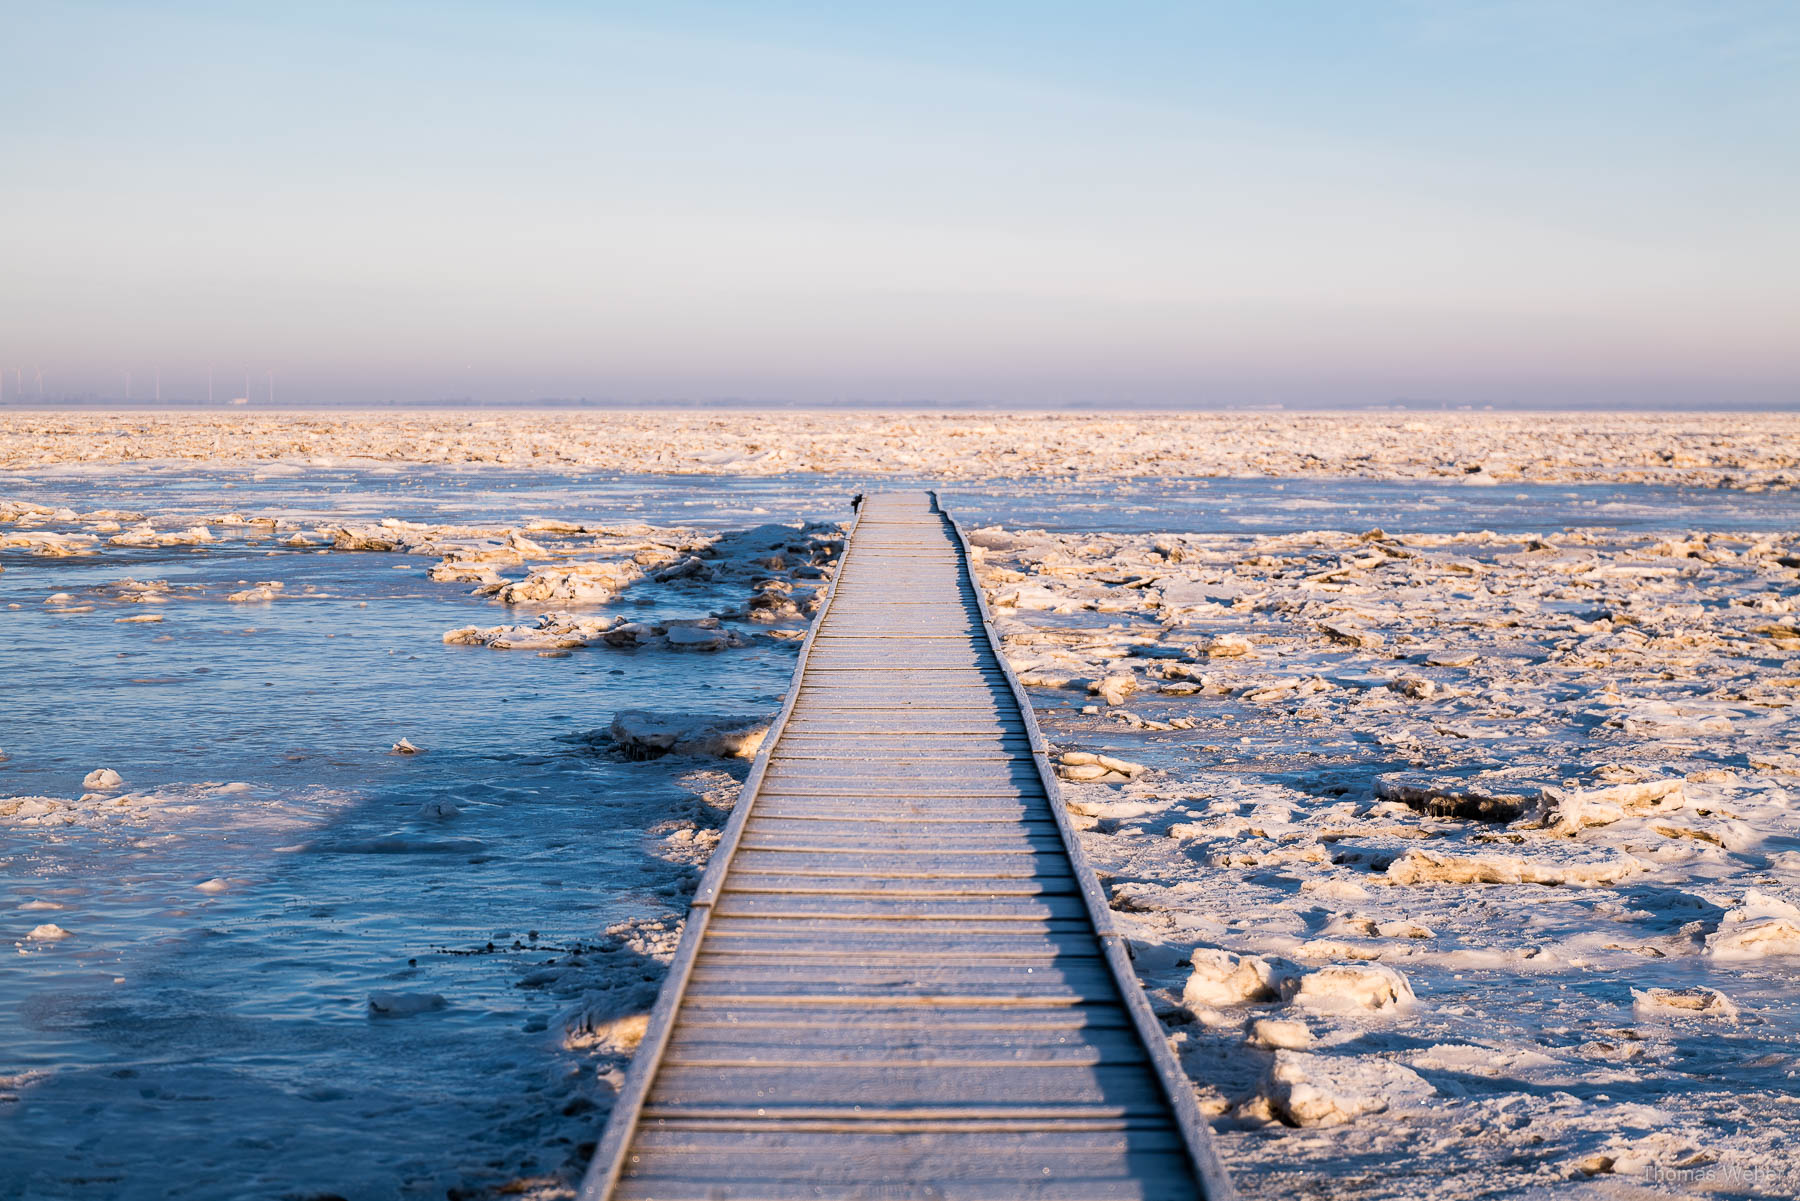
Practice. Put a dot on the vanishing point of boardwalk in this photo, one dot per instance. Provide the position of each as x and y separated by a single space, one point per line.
899 977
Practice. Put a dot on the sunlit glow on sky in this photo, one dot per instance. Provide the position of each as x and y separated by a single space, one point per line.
1510 202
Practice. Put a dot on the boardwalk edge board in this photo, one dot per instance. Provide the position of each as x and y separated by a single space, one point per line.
1085 897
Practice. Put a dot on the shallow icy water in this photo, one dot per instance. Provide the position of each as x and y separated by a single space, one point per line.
205 1031
210 1009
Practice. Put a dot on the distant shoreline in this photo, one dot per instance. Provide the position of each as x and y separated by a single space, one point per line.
684 407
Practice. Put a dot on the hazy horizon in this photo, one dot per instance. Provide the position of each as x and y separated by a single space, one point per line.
1315 205
724 405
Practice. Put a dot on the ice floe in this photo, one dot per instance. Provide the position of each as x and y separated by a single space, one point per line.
641 734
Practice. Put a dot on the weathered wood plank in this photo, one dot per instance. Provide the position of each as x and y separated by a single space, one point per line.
900 945
914 864
910 908
902 1085
727 1046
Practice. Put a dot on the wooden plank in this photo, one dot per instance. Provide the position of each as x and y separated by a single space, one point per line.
1004 1023
873 821
902 863
798 885
904 1085
877 702
840 806
1045 1112
968 725
900 944
904 796
881 821
902 840
953 1173
826 931
889 814
733 1046
735 903
898 775
996 800
999 983
938 766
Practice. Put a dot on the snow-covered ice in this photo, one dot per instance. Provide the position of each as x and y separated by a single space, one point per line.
1469 839
1453 847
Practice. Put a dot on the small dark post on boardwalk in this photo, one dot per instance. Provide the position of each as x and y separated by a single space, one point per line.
899 978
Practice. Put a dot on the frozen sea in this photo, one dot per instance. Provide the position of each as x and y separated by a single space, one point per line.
205 1030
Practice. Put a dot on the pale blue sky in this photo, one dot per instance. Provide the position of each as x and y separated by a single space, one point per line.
1536 202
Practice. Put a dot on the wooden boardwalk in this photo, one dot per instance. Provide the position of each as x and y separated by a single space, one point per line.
899 978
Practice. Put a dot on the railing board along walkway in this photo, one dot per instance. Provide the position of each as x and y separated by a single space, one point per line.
899 977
